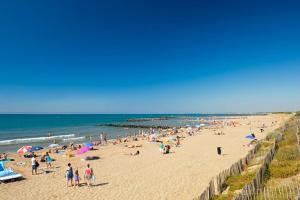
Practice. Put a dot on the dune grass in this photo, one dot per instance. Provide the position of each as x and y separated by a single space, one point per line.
286 162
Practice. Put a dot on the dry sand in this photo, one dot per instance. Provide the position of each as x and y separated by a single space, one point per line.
182 174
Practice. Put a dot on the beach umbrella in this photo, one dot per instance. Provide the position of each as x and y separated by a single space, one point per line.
35 148
89 145
53 145
24 149
82 150
250 137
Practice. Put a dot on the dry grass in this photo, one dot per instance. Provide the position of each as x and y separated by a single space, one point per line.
286 162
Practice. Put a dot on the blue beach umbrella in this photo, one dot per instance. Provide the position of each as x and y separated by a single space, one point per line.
89 145
35 148
250 137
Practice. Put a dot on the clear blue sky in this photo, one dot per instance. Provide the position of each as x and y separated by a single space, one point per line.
149 56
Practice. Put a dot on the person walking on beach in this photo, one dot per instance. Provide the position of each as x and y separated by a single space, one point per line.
34 165
48 160
88 175
69 174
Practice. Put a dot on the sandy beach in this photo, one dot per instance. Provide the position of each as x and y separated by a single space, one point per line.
182 174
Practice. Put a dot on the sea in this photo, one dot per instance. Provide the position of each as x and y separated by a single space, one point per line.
17 130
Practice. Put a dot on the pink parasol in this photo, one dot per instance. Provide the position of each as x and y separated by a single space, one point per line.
24 149
83 150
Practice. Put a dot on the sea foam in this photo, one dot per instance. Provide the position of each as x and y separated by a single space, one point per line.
34 139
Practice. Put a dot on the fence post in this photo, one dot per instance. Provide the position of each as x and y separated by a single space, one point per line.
265 196
280 192
276 193
298 141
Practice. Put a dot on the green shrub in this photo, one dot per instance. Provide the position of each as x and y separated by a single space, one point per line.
284 169
228 196
289 137
287 153
237 182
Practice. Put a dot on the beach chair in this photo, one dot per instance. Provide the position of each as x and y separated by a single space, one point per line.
8 174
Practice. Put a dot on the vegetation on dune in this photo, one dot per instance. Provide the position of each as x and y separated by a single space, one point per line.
286 162
238 181
228 196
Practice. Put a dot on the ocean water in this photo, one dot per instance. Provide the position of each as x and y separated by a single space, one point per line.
17 130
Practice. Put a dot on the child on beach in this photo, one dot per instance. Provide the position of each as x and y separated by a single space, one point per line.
76 178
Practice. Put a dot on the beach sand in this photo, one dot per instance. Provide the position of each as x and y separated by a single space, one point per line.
182 174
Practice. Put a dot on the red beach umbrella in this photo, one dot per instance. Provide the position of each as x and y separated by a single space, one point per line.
24 149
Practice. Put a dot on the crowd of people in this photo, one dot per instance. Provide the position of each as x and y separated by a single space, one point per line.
73 177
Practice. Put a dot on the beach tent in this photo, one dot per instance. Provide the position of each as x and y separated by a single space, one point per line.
35 148
83 150
53 145
24 149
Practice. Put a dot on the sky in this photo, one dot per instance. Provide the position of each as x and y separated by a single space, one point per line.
201 56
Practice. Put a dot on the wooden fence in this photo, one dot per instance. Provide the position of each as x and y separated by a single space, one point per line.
216 185
289 191
298 140
250 189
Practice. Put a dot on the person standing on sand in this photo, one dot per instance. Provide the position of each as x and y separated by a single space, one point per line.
101 139
161 147
48 160
177 141
69 174
88 175
105 138
34 165
219 151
